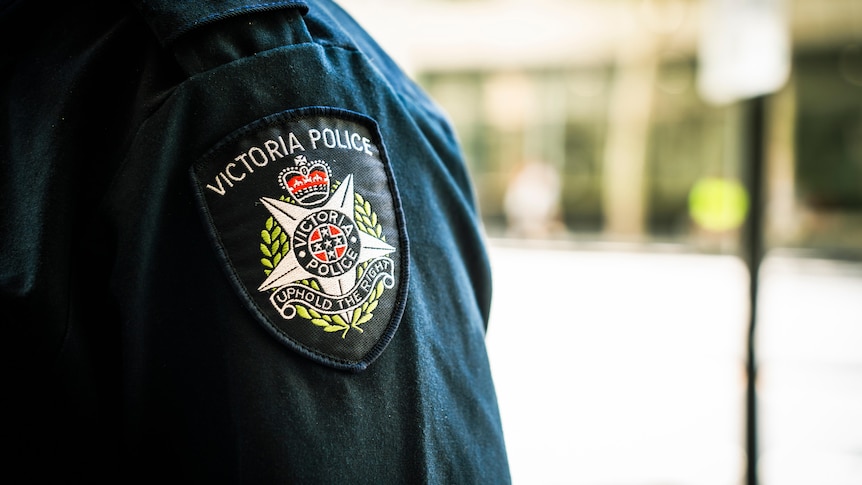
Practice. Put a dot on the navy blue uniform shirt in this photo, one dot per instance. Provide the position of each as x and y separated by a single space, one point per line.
237 245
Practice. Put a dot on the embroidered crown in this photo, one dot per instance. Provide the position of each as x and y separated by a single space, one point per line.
307 182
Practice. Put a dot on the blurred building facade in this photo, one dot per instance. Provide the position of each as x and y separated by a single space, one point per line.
605 94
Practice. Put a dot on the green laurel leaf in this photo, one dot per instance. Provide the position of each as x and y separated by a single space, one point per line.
302 312
273 246
372 305
338 320
366 219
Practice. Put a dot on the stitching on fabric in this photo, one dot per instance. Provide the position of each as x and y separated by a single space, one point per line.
231 12
244 8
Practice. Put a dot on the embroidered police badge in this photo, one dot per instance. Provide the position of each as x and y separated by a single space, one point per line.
303 207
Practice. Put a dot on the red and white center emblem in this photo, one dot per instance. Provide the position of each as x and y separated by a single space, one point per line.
327 243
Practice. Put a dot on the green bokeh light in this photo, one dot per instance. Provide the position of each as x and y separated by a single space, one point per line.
718 204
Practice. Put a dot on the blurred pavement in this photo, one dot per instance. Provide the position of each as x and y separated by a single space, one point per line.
620 367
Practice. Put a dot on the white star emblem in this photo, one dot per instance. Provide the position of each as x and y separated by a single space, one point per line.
290 270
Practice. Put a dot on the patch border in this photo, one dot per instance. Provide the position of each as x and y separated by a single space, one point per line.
287 116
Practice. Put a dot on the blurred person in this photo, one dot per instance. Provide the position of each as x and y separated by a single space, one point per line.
531 201
205 273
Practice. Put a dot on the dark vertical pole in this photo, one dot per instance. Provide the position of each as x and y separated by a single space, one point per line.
753 249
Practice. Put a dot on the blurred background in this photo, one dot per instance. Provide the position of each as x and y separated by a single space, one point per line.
657 178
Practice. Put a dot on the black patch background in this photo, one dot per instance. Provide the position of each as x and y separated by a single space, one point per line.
237 218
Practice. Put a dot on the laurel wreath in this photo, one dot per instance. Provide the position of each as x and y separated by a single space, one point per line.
274 247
